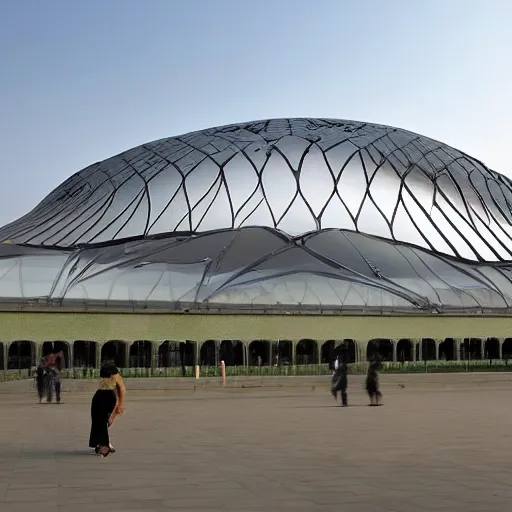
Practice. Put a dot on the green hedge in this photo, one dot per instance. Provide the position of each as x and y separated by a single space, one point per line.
263 371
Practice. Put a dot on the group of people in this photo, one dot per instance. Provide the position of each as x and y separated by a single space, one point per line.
47 377
339 383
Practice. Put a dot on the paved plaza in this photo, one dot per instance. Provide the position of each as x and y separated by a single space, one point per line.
258 450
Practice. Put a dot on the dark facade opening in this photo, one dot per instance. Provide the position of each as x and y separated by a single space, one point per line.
2 362
232 352
22 355
428 350
492 348
259 353
140 354
114 351
448 350
57 348
507 349
471 349
404 351
84 354
209 355
327 352
380 347
169 355
306 352
282 353
346 350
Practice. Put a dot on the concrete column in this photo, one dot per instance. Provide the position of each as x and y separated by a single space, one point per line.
420 349
127 346
482 348
71 355
319 344
361 348
294 352
500 347
395 349
38 348
244 352
414 344
438 343
457 348
270 352
99 346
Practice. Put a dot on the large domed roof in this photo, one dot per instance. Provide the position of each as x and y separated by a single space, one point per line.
293 175
309 214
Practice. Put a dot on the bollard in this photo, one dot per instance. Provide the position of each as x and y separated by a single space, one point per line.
197 372
223 373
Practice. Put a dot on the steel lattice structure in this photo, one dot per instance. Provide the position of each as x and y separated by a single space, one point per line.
310 213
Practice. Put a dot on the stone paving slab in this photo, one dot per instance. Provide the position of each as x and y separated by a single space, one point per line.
256 450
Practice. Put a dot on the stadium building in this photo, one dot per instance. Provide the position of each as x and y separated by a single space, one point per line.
263 243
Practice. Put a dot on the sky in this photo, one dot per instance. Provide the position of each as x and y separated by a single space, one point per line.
81 81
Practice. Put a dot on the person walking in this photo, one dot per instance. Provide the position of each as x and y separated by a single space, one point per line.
56 378
107 403
340 381
372 381
41 379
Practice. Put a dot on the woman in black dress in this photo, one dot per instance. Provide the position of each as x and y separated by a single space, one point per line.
107 403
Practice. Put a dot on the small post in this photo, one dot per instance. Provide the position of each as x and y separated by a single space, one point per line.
197 372
223 373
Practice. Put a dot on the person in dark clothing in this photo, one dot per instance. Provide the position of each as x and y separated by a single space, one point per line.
56 378
41 380
372 381
340 382
107 403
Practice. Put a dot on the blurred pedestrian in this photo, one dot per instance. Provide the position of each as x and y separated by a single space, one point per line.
372 381
339 382
41 379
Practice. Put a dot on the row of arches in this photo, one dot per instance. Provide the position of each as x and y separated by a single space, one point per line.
146 354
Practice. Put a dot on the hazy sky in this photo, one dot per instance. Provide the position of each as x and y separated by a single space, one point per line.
83 80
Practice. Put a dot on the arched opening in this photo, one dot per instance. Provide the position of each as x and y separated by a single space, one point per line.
21 355
306 352
169 355
84 354
187 353
173 354
209 353
492 348
346 350
471 349
140 354
327 352
380 347
232 352
404 350
259 353
2 362
428 349
114 351
447 350
282 353
52 349
506 349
